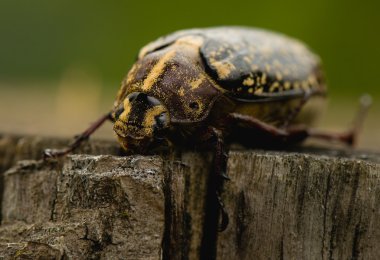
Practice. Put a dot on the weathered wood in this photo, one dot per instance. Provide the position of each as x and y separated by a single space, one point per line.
188 231
314 204
14 148
86 207
300 206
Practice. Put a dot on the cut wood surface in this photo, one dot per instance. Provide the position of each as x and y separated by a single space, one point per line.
306 203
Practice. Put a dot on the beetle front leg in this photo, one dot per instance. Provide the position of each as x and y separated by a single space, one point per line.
219 170
49 153
220 161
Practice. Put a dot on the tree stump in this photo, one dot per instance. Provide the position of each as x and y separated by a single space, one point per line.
303 204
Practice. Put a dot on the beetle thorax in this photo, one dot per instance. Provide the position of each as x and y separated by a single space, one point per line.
176 76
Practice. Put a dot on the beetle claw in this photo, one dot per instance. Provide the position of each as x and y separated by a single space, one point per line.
47 153
225 177
224 215
53 153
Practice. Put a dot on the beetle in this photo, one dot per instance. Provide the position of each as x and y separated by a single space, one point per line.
218 85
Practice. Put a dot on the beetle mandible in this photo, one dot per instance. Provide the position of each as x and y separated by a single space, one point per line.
218 85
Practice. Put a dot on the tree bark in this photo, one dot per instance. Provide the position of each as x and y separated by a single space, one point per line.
300 206
303 204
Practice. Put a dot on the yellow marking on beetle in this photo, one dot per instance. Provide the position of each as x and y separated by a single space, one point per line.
214 84
135 87
191 40
223 69
127 109
248 81
150 120
157 70
274 86
264 79
131 73
200 109
122 142
250 90
121 95
197 82
126 85
296 85
287 85
279 76
259 90
181 91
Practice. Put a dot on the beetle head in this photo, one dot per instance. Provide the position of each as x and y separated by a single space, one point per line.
140 120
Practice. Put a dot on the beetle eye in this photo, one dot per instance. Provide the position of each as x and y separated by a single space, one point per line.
119 111
153 101
161 120
133 96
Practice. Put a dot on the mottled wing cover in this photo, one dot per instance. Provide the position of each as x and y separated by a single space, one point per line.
167 40
254 64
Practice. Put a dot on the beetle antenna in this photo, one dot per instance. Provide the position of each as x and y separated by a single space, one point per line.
49 153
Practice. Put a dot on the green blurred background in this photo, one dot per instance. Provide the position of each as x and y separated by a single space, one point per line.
61 61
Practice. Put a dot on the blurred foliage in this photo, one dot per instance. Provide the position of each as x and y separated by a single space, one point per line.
41 39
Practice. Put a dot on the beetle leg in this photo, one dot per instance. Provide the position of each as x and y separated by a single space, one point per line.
220 168
295 134
219 171
225 219
349 137
253 122
49 153
221 156
292 134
